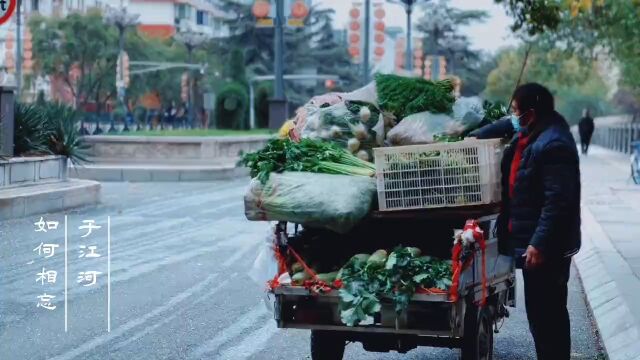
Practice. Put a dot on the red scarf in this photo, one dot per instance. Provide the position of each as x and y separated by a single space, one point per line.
522 143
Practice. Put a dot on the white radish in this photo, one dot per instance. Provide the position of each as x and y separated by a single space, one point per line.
363 155
353 145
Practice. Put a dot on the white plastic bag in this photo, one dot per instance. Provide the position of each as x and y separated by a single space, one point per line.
468 111
265 267
334 202
421 128
367 94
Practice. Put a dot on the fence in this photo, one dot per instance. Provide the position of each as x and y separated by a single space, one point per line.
616 137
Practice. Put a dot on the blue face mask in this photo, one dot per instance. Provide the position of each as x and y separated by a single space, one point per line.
515 121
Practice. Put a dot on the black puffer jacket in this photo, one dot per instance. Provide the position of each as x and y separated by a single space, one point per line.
545 208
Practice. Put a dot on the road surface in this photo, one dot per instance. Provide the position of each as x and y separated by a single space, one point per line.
178 288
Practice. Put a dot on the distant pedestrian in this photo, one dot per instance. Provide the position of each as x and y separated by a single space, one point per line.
586 128
204 117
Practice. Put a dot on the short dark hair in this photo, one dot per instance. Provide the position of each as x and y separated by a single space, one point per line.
534 96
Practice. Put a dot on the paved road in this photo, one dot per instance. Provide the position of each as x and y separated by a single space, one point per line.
179 290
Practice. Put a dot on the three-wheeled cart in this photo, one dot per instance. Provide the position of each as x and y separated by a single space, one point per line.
431 319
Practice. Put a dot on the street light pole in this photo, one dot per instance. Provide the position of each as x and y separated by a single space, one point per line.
279 49
18 61
278 109
367 36
409 56
190 95
191 41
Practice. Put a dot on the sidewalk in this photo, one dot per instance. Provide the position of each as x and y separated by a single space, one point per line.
609 262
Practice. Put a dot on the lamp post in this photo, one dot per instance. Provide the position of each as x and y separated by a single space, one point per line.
408 7
191 41
278 109
122 20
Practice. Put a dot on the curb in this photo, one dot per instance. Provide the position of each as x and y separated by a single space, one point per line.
40 199
157 173
606 278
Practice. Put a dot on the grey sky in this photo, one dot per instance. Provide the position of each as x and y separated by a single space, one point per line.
490 35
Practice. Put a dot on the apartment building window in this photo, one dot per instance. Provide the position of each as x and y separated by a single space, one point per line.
202 18
35 5
217 24
183 11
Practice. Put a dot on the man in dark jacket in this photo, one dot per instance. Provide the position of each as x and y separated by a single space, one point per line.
586 128
540 215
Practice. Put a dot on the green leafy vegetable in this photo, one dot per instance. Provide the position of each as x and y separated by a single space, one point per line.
308 155
404 96
365 282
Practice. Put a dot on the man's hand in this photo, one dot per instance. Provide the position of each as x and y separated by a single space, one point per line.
533 257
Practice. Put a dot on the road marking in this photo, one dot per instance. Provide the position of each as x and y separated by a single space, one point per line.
92 344
238 327
251 344
240 254
148 329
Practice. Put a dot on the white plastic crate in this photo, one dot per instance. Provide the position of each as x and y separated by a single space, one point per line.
438 175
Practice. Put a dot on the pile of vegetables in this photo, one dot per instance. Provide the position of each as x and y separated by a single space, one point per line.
366 279
404 96
308 156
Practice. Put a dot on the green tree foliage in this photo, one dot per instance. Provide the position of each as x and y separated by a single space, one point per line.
575 83
263 94
231 106
441 27
311 48
81 42
533 16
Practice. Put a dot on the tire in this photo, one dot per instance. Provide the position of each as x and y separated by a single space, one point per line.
478 334
326 345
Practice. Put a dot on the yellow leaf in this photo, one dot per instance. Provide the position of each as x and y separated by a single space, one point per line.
574 9
586 5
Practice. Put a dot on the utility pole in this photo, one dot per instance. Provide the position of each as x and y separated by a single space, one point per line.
409 57
278 109
367 36
18 50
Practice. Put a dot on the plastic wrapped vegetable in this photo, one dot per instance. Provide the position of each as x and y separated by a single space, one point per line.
335 202
423 128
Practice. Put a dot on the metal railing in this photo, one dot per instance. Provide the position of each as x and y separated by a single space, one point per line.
616 137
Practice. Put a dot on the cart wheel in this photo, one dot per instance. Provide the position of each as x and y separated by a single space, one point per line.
326 345
478 335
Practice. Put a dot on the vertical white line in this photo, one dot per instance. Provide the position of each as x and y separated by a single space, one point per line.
108 273
65 274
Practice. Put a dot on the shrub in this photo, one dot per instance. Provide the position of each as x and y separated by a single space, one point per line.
231 106
51 128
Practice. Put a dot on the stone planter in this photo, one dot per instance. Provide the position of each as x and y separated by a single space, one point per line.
20 171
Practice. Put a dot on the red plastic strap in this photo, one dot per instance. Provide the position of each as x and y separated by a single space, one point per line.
457 267
305 267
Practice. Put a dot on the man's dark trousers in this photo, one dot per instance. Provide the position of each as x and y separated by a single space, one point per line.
545 291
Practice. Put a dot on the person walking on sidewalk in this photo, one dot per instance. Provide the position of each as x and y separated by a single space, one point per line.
540 217
586 127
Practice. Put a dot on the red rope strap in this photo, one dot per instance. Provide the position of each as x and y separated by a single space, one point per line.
458 267
314 285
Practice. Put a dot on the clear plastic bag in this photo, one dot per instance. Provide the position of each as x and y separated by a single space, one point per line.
468 111
334 202
421 128
265 267
367 94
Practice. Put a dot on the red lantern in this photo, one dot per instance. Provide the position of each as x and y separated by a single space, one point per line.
28 54
379 26
379 51
354 26
354 13
10 63
354 51
299 10
379 38
261 9
329 84
354 38
417 52
379 13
